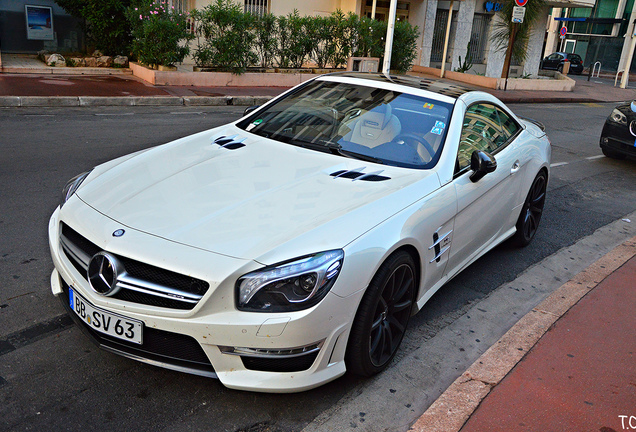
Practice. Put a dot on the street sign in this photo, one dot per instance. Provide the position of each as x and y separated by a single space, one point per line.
521 3
564 31
518 13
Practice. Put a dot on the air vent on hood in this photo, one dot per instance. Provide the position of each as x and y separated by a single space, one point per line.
230 142
358 174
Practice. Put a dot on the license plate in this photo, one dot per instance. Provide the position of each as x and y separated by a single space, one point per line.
106 322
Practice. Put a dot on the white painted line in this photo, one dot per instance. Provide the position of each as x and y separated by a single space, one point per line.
595 157
114 114
558 164
186 113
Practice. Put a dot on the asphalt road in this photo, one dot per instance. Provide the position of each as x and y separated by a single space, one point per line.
53 378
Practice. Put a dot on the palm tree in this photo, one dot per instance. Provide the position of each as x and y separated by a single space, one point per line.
512 36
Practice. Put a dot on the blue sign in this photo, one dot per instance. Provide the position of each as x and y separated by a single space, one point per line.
491 6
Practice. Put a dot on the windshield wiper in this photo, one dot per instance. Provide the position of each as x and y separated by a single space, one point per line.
337 149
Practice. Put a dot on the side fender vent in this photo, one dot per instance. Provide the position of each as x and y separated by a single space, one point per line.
229 142
359 174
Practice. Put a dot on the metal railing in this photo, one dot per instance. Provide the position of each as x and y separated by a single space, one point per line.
618 73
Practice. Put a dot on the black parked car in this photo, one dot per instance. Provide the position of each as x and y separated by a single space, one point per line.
555 62
618 138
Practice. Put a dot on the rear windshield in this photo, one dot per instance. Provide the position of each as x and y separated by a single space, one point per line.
574 57
356 121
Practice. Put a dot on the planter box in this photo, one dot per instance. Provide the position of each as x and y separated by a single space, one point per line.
166 68
219 79
559 82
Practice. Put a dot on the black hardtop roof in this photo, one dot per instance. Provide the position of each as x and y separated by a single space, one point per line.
429 84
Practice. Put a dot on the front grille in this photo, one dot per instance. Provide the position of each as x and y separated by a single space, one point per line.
289 364
168 348
141 283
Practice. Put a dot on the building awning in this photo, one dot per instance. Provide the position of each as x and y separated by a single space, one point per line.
592 20
571 3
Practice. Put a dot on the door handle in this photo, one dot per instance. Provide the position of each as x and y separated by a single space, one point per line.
515 167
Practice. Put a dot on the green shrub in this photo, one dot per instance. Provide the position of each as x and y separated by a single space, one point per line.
158 31
404 46
224 37
104 23
265 42
294 44
320 30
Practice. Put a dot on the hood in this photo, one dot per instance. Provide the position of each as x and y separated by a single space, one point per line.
246 198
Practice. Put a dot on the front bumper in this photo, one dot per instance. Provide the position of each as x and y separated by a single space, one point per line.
196 341
618 139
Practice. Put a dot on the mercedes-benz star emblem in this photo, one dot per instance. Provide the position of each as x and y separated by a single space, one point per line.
119 233
103 270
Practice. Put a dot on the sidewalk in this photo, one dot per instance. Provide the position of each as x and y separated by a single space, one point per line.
67 87
569 365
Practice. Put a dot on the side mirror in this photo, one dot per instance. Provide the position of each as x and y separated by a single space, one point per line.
481 163
250 109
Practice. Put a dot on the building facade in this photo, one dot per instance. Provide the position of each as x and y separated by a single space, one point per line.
28 26
471 26
598 34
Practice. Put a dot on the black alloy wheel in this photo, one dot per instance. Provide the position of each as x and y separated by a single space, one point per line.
532 210
382 317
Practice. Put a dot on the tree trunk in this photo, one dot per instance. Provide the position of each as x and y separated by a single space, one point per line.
507 60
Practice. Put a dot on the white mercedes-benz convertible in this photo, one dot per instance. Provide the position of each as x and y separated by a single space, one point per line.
279 251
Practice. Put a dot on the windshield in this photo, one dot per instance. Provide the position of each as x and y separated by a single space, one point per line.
366 123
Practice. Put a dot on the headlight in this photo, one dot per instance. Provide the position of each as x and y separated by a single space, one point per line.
72 186
618 117
291 286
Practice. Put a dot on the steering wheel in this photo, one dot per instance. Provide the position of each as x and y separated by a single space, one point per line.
415 141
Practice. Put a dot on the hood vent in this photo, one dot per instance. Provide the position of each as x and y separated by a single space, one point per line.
230 142
359 174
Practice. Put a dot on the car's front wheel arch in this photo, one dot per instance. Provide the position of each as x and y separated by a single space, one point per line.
383 313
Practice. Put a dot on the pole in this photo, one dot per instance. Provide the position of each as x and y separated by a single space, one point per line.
388 48
448 27
508 60
375 4
630 55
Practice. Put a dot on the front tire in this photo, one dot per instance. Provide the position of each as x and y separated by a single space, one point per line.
382 317
532 210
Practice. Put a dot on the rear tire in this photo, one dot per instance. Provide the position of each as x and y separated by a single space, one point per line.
382 316
531 212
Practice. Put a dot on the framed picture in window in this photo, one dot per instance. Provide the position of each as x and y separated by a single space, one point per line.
39 22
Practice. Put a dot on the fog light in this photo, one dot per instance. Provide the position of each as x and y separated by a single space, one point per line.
273 352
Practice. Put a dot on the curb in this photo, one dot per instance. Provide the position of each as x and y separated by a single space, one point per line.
65 70
91 101
457 404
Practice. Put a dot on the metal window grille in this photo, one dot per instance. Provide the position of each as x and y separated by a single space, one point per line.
180 5
479 37
256 7
439 33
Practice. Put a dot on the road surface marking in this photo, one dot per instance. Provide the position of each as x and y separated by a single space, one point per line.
558 164
113 114
595 157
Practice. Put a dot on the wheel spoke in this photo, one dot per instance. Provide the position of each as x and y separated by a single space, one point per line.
375 341
376 323
388 339
401 306
535 209
397 324
403 289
